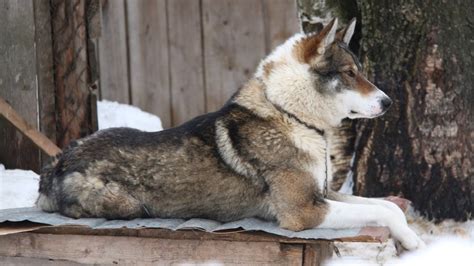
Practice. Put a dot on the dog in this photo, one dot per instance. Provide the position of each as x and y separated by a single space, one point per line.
264 154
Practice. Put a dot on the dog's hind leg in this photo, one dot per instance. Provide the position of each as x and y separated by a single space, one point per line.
90 196
351 215
46 203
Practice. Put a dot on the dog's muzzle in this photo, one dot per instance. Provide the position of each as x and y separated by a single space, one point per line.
385 103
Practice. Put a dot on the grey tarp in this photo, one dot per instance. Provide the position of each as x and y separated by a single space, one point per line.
250 224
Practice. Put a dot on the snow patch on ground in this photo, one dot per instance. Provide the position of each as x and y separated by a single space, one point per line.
448 243
114 114
444 251
18 188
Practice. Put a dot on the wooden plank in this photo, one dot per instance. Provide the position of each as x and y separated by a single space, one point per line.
44 71
234 44
316 254
17 261
17 227
29 131
18 82
147 251
113 58
366 234
186 60
71 70
180 234
149 62
281 21
94 30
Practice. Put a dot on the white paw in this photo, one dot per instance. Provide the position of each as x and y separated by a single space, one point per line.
410 240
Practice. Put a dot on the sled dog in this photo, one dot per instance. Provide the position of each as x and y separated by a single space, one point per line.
264 154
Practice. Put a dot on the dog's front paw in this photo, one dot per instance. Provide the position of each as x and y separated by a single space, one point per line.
410 240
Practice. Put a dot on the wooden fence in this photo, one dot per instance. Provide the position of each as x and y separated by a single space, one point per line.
47 62
173 58
182 58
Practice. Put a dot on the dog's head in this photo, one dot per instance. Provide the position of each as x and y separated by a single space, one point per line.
316 75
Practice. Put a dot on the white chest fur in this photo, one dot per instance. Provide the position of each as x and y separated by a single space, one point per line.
318 148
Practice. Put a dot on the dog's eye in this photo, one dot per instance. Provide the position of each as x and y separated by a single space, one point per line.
351 73
324 73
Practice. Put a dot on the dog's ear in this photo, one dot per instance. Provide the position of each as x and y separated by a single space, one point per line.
316 44
345 35
327 35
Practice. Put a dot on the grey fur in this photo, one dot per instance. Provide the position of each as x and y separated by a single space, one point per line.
124 173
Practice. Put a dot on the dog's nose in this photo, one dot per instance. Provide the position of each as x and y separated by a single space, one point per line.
386 103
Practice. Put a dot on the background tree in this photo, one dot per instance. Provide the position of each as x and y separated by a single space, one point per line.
421 53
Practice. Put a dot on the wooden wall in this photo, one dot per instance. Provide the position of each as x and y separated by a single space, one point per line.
182 58
46 74
26 76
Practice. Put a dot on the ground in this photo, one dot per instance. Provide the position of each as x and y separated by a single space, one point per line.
449 242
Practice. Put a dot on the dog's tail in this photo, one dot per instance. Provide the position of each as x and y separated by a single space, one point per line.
46 200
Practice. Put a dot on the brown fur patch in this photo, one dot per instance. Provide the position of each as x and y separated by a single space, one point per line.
267 68
298 203
362 85
307 48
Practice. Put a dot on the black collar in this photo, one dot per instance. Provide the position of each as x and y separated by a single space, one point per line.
281 110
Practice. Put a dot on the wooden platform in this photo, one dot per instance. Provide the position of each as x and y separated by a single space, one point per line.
70 245
31 237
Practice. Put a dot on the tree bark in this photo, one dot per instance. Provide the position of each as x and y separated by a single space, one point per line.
421 54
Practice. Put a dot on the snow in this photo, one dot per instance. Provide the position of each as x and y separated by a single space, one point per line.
445 251
114 114
18 188
448 243
348 185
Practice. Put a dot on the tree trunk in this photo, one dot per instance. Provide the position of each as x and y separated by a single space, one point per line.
421 54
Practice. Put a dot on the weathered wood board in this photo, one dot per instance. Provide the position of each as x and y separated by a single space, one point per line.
113 53
71 70
149 60
234 44
182 58
18 84
45 72
186 60
281 21
8 113
157 246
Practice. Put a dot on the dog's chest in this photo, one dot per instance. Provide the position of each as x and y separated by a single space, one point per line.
318 148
